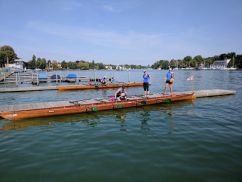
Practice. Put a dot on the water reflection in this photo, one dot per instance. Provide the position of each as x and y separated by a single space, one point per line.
104 93
144 121
120 117
171 124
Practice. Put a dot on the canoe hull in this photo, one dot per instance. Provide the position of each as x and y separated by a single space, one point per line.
112 85
81 108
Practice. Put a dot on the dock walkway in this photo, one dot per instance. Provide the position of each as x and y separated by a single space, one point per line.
27 89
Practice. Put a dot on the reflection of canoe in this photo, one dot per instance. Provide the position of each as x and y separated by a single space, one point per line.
34 110
111 85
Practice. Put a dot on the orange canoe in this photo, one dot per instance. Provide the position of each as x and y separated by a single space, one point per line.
35 110
111 85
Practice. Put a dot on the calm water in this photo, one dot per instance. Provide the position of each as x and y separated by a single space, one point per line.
186 141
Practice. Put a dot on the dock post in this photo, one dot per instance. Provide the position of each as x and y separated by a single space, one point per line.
128 76
19 77
16 80
95 76
4 77
37 78
113 77
77 77
56 78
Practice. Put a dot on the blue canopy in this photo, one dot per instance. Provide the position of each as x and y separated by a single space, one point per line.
55 76
71 75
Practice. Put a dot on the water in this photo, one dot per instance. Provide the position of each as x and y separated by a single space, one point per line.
186 141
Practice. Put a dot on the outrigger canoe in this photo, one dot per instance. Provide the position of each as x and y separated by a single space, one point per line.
100 86
46 109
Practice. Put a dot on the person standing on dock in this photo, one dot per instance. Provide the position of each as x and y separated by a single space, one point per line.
146 82
169 80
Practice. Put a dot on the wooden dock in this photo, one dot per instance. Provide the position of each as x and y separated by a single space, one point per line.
33 77
27 89
211 93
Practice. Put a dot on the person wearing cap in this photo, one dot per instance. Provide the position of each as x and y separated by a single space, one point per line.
121 93
169 80
146 80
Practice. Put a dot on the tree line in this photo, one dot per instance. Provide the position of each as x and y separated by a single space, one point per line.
198 61
7 54
42 63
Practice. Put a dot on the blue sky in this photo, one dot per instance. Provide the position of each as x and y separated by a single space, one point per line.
121 31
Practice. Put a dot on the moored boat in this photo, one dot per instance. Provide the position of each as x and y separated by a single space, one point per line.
100 86
35 110
71 77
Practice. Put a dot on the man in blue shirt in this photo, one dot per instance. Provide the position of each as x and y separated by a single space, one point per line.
146 80
169 80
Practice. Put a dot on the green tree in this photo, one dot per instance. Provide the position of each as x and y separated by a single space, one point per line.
7 53
41 63
92 65
32 63
48 65
72 65
238 61
83 65
64 64
187 60
173 63
55 65
100 66
198 60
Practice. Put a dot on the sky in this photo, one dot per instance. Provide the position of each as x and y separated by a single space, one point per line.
121 31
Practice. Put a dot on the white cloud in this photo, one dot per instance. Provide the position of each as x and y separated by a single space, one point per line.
112 39
108 8
129 45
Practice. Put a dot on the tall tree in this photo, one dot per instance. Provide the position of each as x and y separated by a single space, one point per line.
187 60
41 63
32 63
7 53
64 65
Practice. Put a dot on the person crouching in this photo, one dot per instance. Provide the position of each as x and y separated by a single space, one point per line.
121 93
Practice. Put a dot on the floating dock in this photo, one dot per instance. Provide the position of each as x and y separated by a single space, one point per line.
27 89
46 109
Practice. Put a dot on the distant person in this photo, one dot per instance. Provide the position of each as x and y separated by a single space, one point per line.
169 80
111 79
121 93
146 82
103 80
